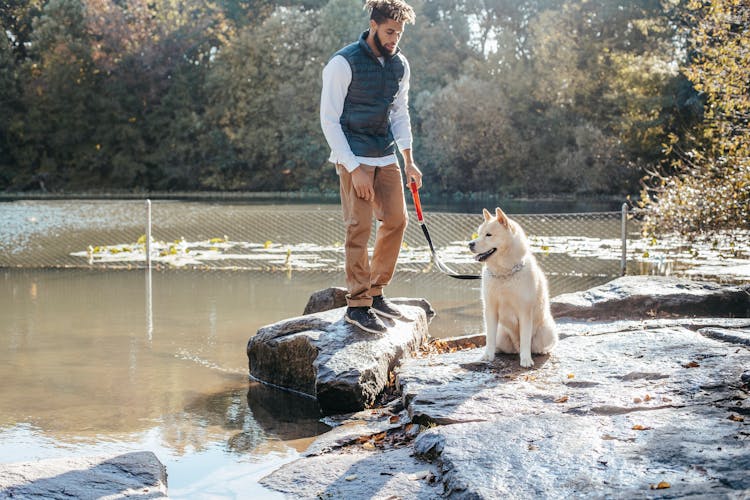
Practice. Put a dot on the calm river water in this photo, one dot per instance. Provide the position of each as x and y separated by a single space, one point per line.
100 361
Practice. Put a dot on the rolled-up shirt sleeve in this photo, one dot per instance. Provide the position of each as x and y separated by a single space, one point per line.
337 75
399 115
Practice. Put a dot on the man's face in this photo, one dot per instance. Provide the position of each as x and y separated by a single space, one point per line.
387 35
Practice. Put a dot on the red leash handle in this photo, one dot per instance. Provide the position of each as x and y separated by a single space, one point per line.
417 203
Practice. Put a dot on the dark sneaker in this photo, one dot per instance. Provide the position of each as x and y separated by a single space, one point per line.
364 318
385 308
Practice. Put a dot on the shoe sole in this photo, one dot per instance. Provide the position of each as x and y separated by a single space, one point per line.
368 330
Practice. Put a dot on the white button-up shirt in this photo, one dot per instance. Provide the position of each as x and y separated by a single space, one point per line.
337 75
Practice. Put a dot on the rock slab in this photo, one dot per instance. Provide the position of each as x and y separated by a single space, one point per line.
322 356
131 475
633 297
609 415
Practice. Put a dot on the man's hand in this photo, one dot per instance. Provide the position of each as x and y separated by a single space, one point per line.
413 174
362 183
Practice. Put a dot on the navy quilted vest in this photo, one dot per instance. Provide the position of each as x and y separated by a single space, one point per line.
369 99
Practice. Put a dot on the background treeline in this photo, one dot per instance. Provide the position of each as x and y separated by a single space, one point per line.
516 97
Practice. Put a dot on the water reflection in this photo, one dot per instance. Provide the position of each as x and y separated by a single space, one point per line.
149 306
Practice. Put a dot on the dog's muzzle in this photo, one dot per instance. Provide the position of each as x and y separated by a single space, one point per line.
482 256
486 255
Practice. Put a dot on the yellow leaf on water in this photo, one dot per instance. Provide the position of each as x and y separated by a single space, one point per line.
570 375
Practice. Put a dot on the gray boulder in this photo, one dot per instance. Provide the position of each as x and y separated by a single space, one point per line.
651 296
324 357
131 475
325 300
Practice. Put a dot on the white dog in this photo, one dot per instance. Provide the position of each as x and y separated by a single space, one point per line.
517 317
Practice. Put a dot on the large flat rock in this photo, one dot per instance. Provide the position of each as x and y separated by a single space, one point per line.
324 357
696 453
131 475
648 296
603 374
357 474
605 415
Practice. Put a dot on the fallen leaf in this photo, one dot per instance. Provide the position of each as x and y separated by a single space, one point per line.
692 364
394 419
638 427
661 486
647 398
736 418
368 446
379 437
570 375
561 399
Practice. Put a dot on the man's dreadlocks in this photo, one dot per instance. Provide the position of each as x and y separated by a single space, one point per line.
382 10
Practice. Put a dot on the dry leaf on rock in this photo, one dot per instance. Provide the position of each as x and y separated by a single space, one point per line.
639 427
561 399
661 486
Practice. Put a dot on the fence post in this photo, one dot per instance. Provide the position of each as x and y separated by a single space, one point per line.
624 237
148 233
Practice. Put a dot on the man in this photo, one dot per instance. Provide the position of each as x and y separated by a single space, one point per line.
364 115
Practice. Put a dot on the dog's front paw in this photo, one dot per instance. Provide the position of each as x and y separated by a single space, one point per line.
488 356
526 361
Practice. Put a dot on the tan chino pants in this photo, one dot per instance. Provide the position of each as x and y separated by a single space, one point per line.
366 278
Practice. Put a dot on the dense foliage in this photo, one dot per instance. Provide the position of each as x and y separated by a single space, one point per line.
705 185
511 97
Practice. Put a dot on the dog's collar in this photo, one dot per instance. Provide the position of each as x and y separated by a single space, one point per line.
504 276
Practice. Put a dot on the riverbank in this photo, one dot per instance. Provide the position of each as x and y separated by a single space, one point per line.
645 395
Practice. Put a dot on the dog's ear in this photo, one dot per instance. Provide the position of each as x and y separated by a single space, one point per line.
501 217
487 215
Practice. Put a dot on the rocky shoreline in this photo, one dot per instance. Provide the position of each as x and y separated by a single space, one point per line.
645 396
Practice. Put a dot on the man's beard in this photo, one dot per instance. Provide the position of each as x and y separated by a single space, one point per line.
383 51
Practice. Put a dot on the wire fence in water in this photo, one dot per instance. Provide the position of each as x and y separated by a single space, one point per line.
112 234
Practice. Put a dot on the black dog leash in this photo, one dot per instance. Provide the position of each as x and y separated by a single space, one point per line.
445 269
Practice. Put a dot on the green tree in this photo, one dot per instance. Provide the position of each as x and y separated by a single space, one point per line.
11 110
264 92
706 183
